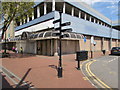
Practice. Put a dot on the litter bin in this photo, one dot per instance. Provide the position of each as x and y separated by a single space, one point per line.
104 51
81 55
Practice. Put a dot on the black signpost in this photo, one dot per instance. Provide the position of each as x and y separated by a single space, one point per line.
60 43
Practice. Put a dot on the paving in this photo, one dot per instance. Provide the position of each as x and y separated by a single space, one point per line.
43 71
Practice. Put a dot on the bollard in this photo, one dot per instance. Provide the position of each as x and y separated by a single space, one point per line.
78 68
59 72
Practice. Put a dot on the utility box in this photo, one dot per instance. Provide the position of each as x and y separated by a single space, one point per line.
81 55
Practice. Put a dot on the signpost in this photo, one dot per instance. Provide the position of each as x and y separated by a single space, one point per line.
60 41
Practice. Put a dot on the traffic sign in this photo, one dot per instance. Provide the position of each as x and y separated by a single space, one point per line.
84 39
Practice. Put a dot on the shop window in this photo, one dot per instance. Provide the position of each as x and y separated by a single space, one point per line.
76 12
59 6
68 9
49 7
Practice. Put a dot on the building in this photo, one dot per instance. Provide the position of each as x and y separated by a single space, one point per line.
91 30
116 25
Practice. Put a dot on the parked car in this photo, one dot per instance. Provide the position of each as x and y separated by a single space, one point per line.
115 51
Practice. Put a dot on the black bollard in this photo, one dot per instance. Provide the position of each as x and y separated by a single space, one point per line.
78 68
59 72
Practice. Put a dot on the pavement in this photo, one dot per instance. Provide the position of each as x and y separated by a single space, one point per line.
41 71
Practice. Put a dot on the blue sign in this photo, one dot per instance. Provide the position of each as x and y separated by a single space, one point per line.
84 39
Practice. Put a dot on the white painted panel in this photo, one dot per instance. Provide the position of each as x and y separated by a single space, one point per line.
38 27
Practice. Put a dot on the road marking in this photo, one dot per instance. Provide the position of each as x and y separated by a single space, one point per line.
113 59
85 74
112 72
85 78
92 75
98 80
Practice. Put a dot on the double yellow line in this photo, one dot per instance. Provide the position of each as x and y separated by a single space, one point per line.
96 79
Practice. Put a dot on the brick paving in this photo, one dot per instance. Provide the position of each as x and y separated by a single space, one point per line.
43 72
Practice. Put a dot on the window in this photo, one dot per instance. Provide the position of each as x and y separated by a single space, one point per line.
87 17
68 9
49 7
82 15
59 6
92 19
99 22
35 12
30 18
17 22
25 18
22 21
103 23
41 6
76 12
96 21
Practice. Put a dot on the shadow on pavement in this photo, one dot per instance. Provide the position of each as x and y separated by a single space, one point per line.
22 84
53 66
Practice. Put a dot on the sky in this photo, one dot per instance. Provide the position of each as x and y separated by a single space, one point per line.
108 8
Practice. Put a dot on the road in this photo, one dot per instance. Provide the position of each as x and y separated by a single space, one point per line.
102 72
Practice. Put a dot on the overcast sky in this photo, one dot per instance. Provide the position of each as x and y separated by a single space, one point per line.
109 8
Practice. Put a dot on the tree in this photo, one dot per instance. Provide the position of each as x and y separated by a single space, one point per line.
12 11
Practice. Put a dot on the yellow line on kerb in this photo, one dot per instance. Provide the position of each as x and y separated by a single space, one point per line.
89 71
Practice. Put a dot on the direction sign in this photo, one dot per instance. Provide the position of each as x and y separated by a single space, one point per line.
56 21
56 34
66 24
67 30
57 28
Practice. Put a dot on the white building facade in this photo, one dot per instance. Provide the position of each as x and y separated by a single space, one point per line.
89 27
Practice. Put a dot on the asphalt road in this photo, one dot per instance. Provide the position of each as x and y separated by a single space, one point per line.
103 70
